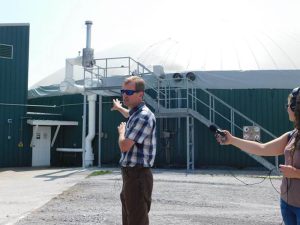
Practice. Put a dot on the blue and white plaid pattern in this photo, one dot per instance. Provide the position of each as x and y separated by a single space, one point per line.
141 128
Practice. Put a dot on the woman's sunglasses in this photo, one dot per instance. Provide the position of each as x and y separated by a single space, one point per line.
128 92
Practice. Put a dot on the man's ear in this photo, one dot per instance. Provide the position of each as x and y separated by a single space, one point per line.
141 94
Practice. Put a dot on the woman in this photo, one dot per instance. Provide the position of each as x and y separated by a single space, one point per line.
288 145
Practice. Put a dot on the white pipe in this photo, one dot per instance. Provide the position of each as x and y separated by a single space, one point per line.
68 85
83 130
70 63
89 156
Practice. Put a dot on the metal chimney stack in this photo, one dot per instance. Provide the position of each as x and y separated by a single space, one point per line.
88 52
88 33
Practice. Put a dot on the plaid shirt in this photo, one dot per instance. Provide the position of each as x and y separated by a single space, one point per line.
140 128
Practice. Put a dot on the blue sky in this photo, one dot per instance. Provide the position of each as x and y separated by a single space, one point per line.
57 29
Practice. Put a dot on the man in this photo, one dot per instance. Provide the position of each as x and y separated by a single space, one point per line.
137 143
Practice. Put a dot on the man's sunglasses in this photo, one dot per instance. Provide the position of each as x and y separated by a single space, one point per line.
128 92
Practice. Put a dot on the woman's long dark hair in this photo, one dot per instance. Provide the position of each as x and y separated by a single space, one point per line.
297 123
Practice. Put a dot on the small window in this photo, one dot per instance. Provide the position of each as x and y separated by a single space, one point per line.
6 51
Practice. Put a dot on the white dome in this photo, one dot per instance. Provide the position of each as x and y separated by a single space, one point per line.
226 51
222 48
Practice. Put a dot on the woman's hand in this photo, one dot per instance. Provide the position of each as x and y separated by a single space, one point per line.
224 140
289 171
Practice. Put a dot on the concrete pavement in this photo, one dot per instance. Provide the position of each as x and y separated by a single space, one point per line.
22 190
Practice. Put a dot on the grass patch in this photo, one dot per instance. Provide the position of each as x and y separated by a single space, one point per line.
279 177
99 172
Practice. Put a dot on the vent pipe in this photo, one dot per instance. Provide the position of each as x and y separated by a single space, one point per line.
88 33
88 52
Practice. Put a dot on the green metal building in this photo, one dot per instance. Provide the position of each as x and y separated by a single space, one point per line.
14 54
265 106
259 95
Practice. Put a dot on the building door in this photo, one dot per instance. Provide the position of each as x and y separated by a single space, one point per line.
41 147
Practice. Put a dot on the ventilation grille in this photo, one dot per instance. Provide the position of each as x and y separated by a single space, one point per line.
6 51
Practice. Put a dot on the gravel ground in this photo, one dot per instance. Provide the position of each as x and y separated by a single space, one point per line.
204 197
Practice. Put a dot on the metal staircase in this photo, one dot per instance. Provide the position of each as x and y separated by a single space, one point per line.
174 98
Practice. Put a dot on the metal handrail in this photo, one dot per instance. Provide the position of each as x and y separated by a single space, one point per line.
234 111
213 98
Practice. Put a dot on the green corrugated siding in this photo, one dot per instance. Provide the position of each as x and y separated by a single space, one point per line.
71 108
111 120
13 90
266 107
